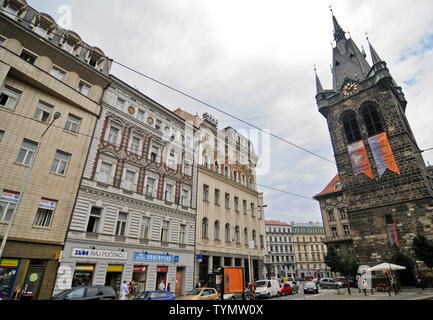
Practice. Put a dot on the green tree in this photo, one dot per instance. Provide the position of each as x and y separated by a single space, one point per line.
423 249
333 260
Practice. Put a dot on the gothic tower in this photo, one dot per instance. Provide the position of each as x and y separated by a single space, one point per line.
384 177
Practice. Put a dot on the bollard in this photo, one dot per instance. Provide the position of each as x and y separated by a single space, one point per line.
372 292
348 290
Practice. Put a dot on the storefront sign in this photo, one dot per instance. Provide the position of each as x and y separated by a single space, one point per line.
9 263
98 254
10 196
140 269
84 268
47 204
139 256
114 268
199 258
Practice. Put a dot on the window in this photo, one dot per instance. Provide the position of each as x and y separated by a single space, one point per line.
164 231
254 237
334 231
227 232
226 171
351 128
8 205
259 212
104 172
28 57
1 135
158 124
94 220
58 73
84 88
246 237
331 216
227 200
182 234
244 206
236 204
168 196
346 230
204 228
187 167
216 167
122 220
154 154
72 123
27 152
171 162
40 30
206 161
243 180
43 112
217 230
60 162
141 115
184 198
372 120
150 186
68 46
135 144
262 242
2 40
237 235
343 214
252 209
11 11
235 176
113 135
9 98
129 181
44 215
205 192
145 227
120 104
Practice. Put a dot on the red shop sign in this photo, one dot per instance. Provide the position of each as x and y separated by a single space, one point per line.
140 269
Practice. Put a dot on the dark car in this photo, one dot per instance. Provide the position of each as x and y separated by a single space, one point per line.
154 295
87 293
310 287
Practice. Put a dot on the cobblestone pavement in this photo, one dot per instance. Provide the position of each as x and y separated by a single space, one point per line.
405 294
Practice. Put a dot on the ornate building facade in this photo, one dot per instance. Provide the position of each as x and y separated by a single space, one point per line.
230 212
135 214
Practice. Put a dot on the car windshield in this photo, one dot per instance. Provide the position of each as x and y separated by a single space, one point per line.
62 294
310 284
193 292
260 284
143 294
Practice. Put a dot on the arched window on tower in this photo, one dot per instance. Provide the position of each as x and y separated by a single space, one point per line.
351 127
372 120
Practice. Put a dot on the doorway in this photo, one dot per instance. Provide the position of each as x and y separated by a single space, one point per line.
406 277
179 281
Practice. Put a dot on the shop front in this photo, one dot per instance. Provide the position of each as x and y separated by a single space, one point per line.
8 274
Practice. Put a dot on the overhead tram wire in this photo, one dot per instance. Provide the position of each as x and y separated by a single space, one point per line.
198 100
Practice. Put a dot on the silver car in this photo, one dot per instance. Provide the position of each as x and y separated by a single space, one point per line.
330 283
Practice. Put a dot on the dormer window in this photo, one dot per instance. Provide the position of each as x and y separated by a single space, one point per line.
68 46
95 58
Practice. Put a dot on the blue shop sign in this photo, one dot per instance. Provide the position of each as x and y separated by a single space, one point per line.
152 257
199 258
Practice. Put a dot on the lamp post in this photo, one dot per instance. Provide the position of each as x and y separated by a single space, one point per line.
29 170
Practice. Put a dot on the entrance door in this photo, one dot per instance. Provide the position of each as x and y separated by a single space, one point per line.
33 280
179 278
407 276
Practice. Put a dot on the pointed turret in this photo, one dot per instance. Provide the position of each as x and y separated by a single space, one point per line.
319 87
374 56
339 33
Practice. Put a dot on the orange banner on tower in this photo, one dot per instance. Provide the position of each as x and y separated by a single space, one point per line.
359 159
382 154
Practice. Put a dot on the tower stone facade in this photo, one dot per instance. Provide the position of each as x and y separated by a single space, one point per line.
385 182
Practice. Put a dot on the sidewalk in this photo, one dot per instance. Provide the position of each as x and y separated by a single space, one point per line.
406 294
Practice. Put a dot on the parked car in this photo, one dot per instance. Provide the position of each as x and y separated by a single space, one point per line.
330 283
201 294
267 288
311 287
87 293
307 278
286 289
343 281
295 287
233 296
154 295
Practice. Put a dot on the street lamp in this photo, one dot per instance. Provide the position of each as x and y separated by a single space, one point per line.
29 170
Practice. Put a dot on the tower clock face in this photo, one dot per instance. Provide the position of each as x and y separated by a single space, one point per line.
350 88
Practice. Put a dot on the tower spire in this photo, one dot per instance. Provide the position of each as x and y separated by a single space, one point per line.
319 87
374 56
339 33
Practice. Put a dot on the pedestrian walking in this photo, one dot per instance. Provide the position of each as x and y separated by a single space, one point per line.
161 286
123 291
132 289
168 287
198 285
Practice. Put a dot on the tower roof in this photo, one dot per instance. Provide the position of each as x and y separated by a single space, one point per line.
374 56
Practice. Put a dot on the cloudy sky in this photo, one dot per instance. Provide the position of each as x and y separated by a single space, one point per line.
254 59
